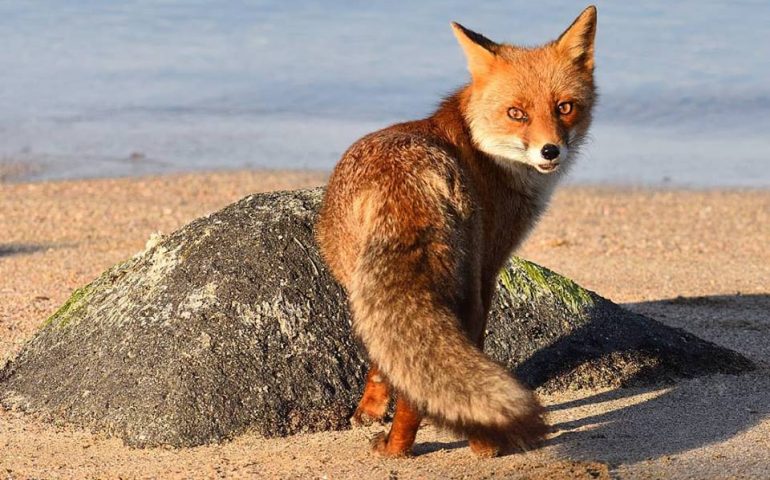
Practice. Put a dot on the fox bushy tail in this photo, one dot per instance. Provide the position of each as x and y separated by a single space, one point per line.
418 342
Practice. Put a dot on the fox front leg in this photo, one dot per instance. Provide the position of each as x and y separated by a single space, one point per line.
374 402
398 442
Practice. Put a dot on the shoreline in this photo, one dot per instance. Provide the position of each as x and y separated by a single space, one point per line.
694 259
13 173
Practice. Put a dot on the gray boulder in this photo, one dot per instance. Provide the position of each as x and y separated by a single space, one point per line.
234 323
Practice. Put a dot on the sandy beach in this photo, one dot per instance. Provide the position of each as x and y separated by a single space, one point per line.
696 259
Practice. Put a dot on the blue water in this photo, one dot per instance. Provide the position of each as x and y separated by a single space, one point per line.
94 88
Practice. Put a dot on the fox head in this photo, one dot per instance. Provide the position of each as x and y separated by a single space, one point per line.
531 105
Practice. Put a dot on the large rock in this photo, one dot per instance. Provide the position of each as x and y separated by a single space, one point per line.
234 323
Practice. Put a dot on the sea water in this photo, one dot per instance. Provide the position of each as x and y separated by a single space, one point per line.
94 88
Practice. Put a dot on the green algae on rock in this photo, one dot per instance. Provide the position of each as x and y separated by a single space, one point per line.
64 314
523 278
233 323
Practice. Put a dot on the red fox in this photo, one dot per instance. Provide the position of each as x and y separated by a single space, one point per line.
419 218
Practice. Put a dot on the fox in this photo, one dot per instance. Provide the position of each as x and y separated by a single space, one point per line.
419 218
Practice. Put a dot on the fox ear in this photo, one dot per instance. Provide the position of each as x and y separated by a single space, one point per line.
578 40
479 50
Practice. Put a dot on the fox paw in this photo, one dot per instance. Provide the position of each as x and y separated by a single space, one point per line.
380 447
484 449
364 419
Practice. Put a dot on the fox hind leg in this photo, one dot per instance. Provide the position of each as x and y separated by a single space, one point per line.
398 442
374 402
484 448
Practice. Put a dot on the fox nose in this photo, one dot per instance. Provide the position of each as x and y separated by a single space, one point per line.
549 151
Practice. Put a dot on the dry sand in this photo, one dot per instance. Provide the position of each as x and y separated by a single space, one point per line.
694 259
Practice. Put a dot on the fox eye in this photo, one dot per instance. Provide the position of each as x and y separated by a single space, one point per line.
565 108
517 114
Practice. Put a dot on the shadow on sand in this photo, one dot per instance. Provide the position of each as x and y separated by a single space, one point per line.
690 413
673 416
11 249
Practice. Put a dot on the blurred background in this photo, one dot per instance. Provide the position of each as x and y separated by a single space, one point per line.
103 89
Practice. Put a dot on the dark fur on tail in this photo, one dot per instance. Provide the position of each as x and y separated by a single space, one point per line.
413 334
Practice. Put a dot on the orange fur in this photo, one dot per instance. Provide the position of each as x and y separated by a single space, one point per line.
398 442
374 402
419 218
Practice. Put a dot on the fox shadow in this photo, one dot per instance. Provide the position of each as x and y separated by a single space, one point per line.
688 416
693 393
684 413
